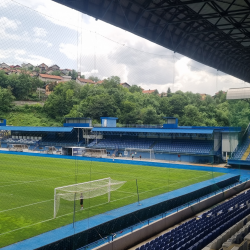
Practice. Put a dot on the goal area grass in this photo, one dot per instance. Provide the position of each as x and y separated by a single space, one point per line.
27 191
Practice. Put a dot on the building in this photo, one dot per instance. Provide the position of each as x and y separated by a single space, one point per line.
66 71
203 96
50 78
27 65
4 65
66 78
125 85
84 81
54 67
148 91
100 82
43 67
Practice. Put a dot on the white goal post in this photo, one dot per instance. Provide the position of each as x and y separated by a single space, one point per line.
139 151
88 190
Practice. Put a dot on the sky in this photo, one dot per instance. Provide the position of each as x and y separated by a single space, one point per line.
42 31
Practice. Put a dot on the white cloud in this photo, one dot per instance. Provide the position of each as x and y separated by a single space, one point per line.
40 32
69 50
18 56
4 4
96 53
6 23
38 40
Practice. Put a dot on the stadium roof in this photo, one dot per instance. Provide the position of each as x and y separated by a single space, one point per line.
238 93
215 33
37 129
154 130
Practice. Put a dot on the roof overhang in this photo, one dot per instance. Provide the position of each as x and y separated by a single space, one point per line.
215 33
238 93
154 130
37 129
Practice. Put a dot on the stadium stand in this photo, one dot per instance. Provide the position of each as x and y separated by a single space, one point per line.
197 233
185 146
21 141
124 143
243 150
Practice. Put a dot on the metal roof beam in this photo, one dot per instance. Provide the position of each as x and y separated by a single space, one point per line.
178 4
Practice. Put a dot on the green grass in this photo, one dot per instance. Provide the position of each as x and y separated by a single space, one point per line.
27 188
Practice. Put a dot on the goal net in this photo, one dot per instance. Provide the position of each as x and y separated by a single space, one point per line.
92 152
139 153
87 190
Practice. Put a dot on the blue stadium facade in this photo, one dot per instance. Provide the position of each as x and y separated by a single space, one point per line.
168 142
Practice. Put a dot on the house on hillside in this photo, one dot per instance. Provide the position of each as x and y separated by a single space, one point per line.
43 67
148 91
54 67
203 96
66 79
84 81
100 82
4 65
66 71
27 65
125 85
49 78
7 71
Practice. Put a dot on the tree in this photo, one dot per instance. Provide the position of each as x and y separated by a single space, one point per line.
56 73
37 70
94 78
3 79
112 82
192 116
52 85
6 99
135 88
150 116
74 75
62 99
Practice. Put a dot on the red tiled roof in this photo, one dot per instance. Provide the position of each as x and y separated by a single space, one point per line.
51 76
148 91
85 80
99 82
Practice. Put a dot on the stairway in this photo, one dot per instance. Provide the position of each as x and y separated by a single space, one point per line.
247 152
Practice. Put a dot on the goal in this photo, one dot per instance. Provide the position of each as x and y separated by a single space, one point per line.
93 152
88 190
137 152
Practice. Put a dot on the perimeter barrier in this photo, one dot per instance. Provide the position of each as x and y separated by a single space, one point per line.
108 228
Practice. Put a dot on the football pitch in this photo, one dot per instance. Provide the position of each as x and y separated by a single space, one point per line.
28 182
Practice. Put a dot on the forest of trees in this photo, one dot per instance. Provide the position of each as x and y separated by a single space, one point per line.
131 106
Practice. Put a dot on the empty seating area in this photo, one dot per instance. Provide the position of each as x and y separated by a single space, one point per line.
197 233
240 151
68 140
121 143
171 146
185 146
21 141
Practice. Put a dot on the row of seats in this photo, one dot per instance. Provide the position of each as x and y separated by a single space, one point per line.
20 141
117 143
174 146
199 232
242 148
